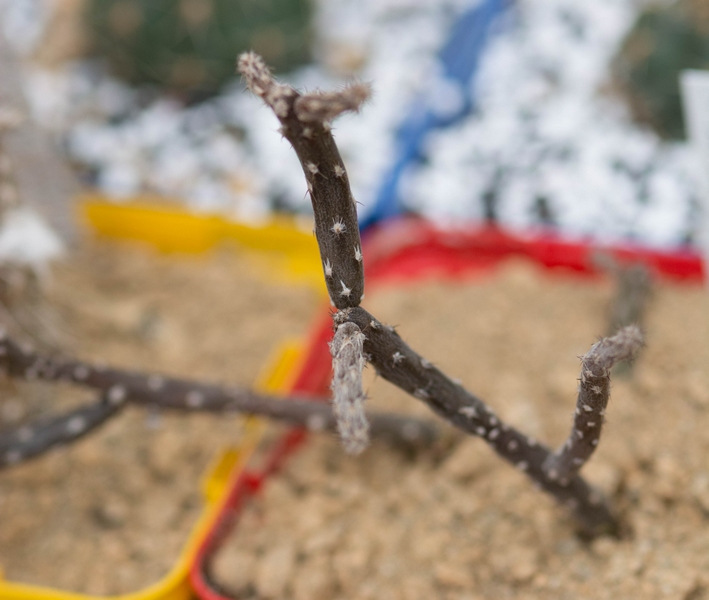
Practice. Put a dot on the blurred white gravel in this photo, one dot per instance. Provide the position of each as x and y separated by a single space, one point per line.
547 144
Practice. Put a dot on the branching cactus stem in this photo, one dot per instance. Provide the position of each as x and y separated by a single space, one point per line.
305 125
347 394
119 387
396 362
593 396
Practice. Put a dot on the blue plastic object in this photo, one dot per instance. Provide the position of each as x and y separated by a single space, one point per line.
459 60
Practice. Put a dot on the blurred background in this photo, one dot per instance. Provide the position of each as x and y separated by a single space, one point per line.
524 113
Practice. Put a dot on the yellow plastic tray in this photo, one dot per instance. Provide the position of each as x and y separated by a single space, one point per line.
285 243
227 465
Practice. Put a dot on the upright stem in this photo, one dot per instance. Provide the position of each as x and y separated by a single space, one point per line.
305 124
593 396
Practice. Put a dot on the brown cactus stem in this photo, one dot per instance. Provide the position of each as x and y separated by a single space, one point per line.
30 441
396 362
305 124
593 396
155 390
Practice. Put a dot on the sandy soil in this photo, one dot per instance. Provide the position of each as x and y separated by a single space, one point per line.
463 525
110 514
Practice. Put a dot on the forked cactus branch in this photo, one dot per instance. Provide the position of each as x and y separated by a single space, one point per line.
305 121
119 387
396 362
390 355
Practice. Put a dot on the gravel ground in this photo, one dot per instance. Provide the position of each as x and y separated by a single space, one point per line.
461 524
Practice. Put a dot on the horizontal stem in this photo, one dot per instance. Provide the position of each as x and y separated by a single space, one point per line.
121 386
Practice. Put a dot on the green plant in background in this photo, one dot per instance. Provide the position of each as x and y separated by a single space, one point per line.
664 41
188 46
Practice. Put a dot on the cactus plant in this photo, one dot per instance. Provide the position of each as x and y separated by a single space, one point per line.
188 46
305 123
359 338
663 41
